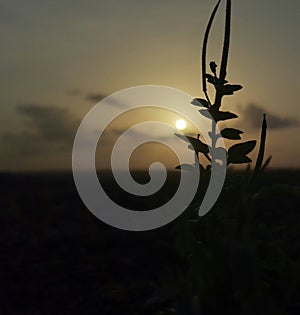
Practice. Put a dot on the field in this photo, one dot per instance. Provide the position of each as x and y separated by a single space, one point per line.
56 257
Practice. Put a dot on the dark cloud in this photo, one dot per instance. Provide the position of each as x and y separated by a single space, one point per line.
49 130
95 97
111 101
253 114
51 122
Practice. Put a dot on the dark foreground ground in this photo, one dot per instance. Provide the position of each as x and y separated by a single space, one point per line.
57 258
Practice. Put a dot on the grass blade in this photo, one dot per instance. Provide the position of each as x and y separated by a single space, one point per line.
261 152
266 163
260 157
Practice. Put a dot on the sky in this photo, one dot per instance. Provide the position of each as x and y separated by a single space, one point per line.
59 58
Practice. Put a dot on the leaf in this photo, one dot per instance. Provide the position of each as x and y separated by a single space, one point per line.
223 116
215 81
200 102
231 133
186 167
237 154
198 145
195 144
210 78
205 113
238 160
217 115
213 67
244 147
229 89
183 137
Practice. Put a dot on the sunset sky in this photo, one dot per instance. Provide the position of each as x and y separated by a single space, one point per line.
59 58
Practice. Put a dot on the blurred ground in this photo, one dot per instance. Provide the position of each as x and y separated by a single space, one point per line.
57 257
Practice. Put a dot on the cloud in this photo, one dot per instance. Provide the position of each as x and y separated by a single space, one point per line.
51 122
95 97
253 114
111 101
49 130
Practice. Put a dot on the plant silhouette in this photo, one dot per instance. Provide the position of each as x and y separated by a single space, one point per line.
237 153
218 249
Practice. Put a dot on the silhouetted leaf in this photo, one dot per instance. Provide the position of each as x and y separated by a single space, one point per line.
200 102
205 113
210 78
238 159
213 67
216 82
186 167
195 144
231 133
198 145
217 115
183 137
244 147
237 154
229 89
223 115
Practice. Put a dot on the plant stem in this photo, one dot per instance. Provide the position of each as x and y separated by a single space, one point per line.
204 49
224 61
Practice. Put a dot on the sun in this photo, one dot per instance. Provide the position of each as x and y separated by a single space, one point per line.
180 124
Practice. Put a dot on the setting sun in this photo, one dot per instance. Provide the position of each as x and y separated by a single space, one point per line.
180 124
